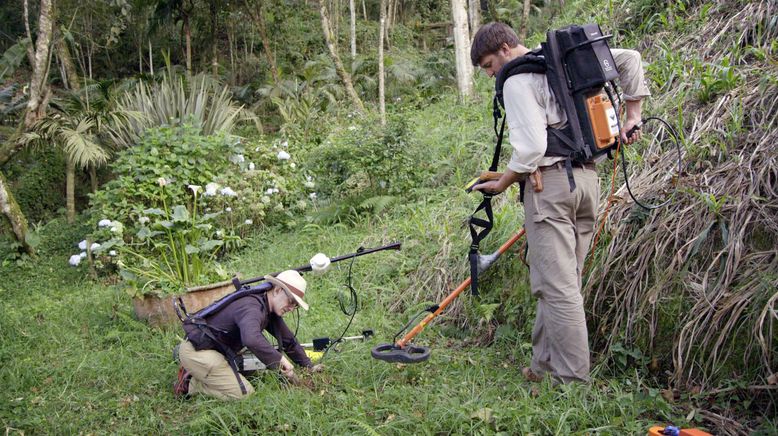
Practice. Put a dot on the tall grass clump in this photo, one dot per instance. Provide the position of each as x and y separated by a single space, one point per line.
174 100
694 284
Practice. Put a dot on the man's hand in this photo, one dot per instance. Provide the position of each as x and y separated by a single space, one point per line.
285 365
316 368
633 119
629 125
490 187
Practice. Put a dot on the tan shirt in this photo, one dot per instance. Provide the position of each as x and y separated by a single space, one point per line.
530 107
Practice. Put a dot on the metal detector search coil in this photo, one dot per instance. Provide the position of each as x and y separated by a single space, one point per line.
402 351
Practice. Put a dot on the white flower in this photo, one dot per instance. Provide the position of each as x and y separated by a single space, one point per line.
112 253
256 148
104 223
309 184
229 209
195 188
219 233
282 155
82 245
237 158
312 196
309 178
94 246
275 191
210 189
144 219
352 128
228 192
74 260
248 222
269 191
285 144
251 166
82 254
162 182
293 165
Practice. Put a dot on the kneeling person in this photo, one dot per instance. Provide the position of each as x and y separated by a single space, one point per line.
207 354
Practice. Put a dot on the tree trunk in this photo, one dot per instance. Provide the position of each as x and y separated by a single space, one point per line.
67 62
462 49
524 21
93 177
30 51
364 11
259 21
353 23
388 15
381 92
38 88
151 60
214 40
474 13
70 190
344 75
11 210
188 39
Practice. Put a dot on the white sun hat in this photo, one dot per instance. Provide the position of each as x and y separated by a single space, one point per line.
293 283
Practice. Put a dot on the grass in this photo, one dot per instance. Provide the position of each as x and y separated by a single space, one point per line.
76 361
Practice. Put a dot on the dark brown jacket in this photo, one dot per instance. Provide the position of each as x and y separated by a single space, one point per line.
241 323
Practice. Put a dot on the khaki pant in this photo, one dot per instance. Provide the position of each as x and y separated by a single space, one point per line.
560 226
211 374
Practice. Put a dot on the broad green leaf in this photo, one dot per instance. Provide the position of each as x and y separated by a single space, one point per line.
144 233
211 244
154 211
180 213
191 249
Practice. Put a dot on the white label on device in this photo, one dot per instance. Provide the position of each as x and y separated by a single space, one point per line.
614 126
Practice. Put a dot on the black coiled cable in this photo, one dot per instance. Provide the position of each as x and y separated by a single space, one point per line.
348 308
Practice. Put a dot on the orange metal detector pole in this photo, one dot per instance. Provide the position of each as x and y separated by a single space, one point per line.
402 342
402 351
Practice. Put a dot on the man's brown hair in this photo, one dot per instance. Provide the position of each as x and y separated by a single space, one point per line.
489 38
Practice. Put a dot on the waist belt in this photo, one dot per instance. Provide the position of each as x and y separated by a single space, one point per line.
561 165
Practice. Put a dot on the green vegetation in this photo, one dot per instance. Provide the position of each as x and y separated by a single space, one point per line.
253 161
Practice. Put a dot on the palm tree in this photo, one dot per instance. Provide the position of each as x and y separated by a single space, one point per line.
79 124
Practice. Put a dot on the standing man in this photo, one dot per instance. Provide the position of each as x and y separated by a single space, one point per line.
207 354
559 222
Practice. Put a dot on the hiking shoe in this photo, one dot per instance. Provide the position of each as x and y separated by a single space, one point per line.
181 385
531 376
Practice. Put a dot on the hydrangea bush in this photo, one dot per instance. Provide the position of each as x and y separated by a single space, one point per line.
181 200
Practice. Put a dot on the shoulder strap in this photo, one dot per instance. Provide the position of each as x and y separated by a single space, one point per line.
532 62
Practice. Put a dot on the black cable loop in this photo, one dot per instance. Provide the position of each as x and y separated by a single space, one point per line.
352 307
676 141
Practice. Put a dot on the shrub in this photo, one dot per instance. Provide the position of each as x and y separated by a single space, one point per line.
38 183
175 100
366 167
365 158
148 212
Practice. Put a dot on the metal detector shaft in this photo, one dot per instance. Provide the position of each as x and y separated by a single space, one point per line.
402 342
307 267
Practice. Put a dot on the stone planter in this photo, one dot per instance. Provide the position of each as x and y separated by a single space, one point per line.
158 311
